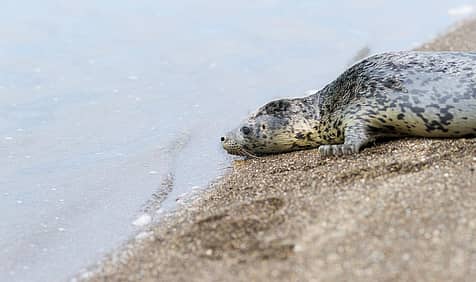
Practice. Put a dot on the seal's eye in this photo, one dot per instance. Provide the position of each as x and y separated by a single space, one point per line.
246 130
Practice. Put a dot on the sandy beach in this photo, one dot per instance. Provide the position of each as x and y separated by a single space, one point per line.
402 210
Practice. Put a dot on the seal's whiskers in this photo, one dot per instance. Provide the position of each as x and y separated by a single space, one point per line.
247 153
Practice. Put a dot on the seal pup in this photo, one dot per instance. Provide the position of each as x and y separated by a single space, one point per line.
395 94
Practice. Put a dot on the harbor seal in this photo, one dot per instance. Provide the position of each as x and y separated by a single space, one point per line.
395 94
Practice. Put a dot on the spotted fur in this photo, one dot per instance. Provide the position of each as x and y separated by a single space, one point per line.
426 94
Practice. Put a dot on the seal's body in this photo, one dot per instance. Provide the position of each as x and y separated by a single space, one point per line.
427 94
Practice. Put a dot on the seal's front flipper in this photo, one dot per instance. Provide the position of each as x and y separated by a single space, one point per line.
356 137
337 150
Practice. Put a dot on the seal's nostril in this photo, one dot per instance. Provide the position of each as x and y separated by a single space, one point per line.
222 139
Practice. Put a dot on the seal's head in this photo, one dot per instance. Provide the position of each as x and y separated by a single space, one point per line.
277 127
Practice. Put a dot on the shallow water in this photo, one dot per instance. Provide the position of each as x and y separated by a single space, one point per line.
102 101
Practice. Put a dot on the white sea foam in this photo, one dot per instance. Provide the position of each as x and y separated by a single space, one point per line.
142 220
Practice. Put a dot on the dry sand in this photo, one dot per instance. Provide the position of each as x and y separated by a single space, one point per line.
402 210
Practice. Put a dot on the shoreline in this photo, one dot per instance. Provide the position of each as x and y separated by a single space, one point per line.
400 210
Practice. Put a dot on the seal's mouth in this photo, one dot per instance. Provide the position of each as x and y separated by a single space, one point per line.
234 148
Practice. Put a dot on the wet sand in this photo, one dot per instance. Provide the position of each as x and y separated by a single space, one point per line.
400 210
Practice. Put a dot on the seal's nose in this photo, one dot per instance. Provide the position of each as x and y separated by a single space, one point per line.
222 139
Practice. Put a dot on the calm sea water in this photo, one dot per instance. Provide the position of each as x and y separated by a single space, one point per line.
102 101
